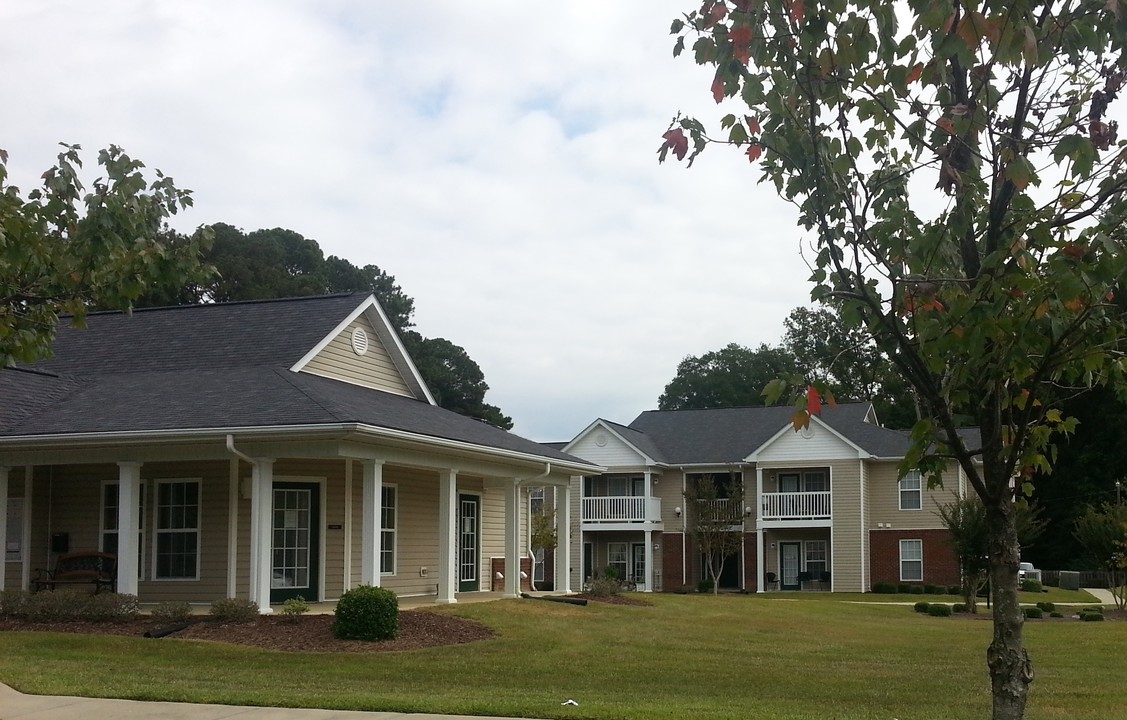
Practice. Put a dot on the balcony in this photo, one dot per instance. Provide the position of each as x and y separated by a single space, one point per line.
621 509
796 506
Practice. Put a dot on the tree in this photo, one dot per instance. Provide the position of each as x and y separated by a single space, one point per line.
956 168
1103 535
715 503
965 518
542 535
845 357
455 380
63 251
733 376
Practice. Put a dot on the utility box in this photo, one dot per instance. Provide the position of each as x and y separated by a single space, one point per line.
1069 580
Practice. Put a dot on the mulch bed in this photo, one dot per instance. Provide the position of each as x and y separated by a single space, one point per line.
308 633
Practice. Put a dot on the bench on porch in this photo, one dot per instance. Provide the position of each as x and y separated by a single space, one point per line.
78 569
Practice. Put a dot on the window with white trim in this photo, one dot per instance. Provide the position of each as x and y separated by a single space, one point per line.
110 494
912 560
911 491
388 529
618 559
177 532
816 558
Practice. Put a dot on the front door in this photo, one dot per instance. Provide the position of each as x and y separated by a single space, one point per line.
469 543
789 564
638 565
296 534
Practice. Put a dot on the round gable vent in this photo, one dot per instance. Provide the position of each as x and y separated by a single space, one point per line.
359 341
601 440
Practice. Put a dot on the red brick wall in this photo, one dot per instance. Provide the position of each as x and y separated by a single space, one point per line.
671 565
940 566
497 565
751 577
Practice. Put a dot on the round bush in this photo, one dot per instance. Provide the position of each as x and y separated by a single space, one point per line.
172 611
939 610
1091 616
367 613
921 607
1047 606
884 588
954 590
1031 585
917 590
1056 614
1033 613
234 610
959 608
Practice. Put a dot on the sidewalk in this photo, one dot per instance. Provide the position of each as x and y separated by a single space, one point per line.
17 706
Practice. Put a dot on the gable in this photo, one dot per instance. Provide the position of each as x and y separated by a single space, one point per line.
356 354
601 446
816 442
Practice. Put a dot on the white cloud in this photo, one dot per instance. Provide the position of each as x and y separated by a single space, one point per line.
498 158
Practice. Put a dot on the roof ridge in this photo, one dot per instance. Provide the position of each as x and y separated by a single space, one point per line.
289 375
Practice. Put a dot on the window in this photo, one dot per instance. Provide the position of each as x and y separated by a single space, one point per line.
177 530
618 560
816 482
110 494
618 486
911 492
816 558
388 530
912 560
536 501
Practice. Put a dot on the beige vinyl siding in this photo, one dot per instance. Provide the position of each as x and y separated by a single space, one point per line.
883 502
847 559
374 369
670 489
492 523
416 534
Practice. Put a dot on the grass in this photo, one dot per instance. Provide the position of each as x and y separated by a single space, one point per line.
685 656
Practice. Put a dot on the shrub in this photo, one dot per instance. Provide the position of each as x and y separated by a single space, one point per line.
884 588
1088 616
13 602
172 611
234 610
605 587
1031 585
704 586
939 610
921 607
1056 614
56 606
954 590
959 608
1047 606
930 589
903 588
367 613
1033 613
917 590
110 607
294 608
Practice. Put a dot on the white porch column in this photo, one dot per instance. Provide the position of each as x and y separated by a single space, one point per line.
371 523
649 561
759 554
563 539
128 524
447 522
512 541
25 536
261 529
3 522
232 526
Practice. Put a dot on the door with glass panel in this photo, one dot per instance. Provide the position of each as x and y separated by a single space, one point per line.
790 563
469 543
296 533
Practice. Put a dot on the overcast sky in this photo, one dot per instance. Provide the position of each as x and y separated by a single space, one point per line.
497 158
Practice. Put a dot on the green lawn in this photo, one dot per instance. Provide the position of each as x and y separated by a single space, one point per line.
684 657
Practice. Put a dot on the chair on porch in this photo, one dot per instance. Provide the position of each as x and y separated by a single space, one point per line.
804 577
824 580
772 579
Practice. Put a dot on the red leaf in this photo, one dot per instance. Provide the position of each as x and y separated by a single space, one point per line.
797 11
717 13
677 142
741 37
916 73
754 151
946 124
813 401
753 125
718 88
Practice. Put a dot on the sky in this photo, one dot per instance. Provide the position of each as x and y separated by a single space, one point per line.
497 157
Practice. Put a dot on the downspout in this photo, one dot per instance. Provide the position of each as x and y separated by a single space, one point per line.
237 453
233 521
684 530
531 554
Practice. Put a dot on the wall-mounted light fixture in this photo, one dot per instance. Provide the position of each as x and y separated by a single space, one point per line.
677 511
747 511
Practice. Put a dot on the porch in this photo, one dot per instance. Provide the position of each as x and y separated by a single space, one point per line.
621 509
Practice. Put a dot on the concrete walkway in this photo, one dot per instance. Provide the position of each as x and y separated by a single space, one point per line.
15 705
1104 596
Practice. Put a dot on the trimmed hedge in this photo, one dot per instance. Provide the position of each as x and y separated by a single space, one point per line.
939 610
234 610
921 607
1033 613
367 613
884 588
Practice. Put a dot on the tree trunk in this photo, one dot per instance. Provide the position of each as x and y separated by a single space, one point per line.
1011 670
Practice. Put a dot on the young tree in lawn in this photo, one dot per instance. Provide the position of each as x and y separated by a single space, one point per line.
65 251
715 503
963 187
1103 535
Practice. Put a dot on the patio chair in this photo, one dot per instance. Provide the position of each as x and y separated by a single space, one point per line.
804 577
772 579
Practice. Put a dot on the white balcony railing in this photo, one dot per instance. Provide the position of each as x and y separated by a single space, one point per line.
619 509
796 506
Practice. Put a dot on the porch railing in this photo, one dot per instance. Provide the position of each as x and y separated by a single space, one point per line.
796 506
621 509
